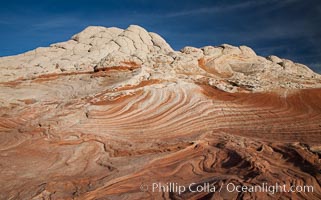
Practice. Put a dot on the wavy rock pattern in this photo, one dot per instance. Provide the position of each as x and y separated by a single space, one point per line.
123 109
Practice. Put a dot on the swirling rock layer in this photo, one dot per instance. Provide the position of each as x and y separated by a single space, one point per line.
110 112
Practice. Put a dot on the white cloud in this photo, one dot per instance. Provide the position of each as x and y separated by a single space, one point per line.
272 4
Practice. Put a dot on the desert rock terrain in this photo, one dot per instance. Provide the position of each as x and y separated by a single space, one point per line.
109 112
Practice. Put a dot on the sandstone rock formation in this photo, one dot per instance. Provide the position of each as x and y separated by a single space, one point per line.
112 110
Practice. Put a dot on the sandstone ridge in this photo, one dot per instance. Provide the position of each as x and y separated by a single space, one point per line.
97 48
110 109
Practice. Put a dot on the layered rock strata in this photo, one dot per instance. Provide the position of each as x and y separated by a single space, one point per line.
112 110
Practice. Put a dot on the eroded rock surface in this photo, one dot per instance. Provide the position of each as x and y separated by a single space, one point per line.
110 109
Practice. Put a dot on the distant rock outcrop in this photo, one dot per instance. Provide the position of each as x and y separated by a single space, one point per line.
109 112
98 48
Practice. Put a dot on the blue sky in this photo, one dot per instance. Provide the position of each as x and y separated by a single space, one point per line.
287 28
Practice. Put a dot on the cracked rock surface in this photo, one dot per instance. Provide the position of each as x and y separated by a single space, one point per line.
110 109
